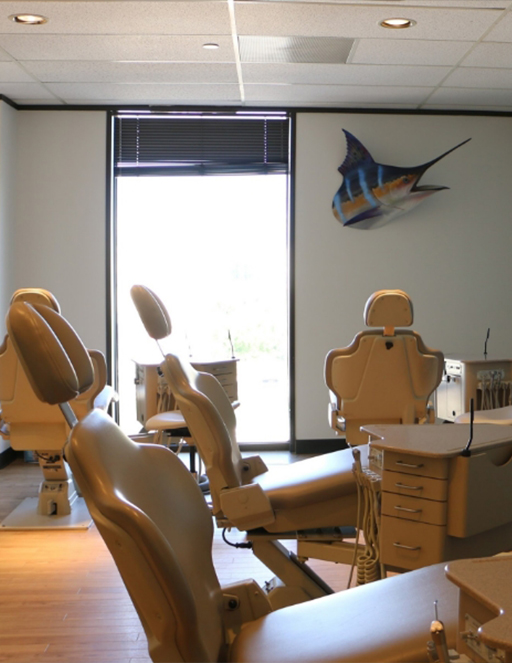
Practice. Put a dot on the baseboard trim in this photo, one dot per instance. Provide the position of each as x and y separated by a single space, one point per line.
7 457
320 446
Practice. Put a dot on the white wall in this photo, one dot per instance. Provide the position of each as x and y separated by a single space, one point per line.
60 215
451 253
8 125
8 130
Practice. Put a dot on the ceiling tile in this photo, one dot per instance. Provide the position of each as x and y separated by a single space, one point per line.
360 21
349 74
131 72
118 47
4 56
502 31
19 92
480 78
121 17
488 54
12 72
403 51
340 94
441 4
474 97
147 93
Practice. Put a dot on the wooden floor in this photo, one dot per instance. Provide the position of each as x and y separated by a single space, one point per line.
61 597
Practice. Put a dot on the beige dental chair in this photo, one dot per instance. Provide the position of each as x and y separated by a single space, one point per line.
153 518
309 501
386 375
32 426
168 421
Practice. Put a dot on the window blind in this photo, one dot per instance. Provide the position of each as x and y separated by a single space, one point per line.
200 145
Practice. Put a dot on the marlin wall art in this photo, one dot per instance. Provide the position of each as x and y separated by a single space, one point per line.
372 193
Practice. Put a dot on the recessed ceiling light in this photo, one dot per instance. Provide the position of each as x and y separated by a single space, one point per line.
28 19
211 46
397 23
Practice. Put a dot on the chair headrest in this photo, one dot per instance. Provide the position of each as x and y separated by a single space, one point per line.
152 312
389 308
54 358
36 296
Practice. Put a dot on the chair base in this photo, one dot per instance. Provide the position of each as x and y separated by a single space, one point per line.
25 516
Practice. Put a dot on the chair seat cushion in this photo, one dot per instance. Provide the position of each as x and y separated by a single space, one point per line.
166 421
313 480
388 620
499 415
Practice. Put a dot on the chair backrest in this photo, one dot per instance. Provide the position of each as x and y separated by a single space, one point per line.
33 424
211 421
385 375
142 499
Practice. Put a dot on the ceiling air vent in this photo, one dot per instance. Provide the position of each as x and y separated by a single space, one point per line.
314 50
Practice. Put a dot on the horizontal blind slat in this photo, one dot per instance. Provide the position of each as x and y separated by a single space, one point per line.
172 146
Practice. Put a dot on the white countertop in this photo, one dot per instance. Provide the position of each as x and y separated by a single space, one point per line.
436 440
488 580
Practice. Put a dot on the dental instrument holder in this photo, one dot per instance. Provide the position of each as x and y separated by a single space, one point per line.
466 451
486 339
438 634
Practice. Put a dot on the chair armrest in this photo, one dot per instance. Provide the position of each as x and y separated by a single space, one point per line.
243 602
106 396
336 421
252 467
431 413
246 507
4 428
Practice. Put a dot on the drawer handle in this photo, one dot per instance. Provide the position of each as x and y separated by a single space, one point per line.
403 508
401 545
402 485
402 464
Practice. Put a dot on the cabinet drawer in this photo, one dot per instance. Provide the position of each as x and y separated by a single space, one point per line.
408 545
419 465
232 391
225 379
412 508
414 486
227 367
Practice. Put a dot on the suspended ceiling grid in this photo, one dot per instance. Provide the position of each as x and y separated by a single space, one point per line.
278 53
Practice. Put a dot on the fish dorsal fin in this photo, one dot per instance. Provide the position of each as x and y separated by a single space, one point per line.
357 154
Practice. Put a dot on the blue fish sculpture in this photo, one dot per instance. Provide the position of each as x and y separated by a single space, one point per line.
372 193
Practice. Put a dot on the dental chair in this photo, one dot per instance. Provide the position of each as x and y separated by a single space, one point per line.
313 502
154 520
168 421
386 375
32 426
